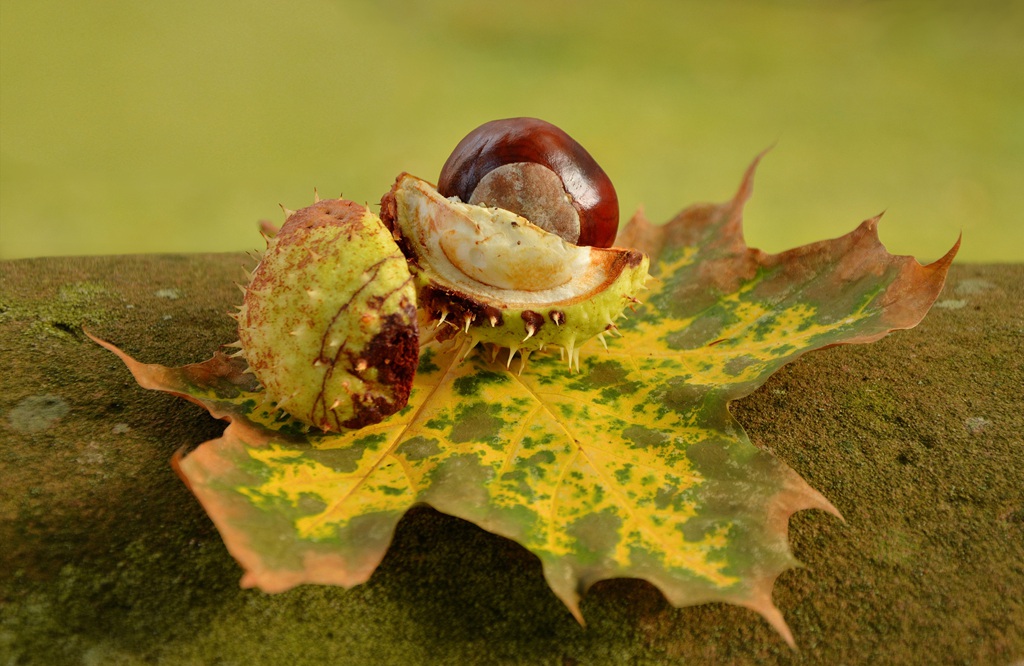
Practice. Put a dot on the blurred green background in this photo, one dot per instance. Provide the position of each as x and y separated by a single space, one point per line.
174 127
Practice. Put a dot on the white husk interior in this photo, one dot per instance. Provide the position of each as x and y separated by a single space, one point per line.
492 251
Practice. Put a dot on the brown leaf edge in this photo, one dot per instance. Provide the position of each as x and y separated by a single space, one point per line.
907 300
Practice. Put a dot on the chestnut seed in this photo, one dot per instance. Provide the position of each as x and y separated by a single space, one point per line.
536 170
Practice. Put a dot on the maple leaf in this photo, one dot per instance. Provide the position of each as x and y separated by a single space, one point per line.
633 467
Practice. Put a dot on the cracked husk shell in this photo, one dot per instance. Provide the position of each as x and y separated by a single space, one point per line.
328 324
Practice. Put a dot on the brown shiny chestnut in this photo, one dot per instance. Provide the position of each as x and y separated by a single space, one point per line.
536 170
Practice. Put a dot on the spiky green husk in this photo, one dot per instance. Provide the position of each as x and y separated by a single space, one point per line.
563 312
328 324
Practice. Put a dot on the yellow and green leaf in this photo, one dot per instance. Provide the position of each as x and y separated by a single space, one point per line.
632 467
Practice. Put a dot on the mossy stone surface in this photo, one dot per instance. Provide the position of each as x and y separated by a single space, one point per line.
107 559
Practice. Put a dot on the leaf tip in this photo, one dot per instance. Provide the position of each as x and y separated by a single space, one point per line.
944 262
747 184
565 585
761 603
774 617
